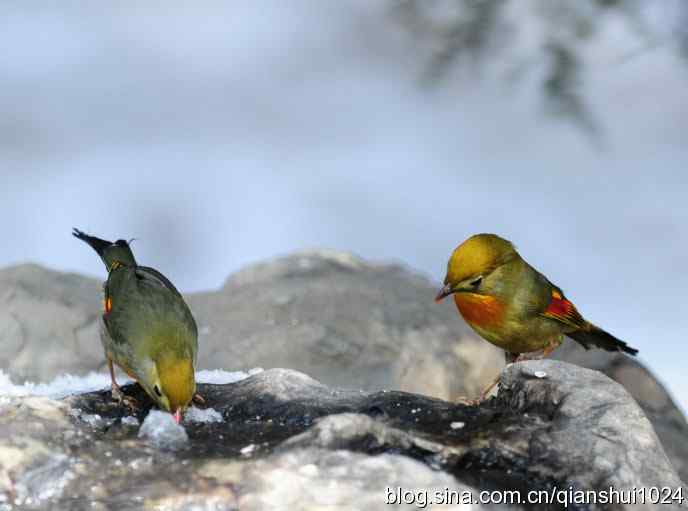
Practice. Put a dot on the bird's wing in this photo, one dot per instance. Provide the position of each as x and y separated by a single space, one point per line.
154 276
562 310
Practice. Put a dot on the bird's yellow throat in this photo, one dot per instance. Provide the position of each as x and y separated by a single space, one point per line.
177 380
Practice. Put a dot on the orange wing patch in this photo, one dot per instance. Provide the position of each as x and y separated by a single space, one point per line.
479 310
562 310
107 304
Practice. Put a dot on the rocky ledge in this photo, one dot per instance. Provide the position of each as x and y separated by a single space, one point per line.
281 440
343 320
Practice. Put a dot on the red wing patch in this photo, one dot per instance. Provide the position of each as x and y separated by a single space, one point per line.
563 310
108 305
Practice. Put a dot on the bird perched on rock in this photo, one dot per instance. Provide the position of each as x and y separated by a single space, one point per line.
512 305
147 328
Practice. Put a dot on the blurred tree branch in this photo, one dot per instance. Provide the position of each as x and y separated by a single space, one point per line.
460 32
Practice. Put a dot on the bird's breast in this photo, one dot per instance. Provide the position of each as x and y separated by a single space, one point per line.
480 310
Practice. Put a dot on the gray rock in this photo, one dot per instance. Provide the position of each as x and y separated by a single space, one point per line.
329 314
288 442
345 322
668 421
46 319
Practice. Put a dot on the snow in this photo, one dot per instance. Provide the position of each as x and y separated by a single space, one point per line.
68 384
207 415
93 419
130 420
62 386
457 425
248 449
160 430
220 377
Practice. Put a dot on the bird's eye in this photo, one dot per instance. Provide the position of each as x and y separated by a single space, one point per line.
157 391
476 282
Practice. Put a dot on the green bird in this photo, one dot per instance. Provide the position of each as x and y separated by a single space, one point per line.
147 328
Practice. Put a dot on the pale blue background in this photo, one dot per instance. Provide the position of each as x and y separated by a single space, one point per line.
223 135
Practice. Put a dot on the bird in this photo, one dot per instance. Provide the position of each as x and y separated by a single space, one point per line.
510 304
146 329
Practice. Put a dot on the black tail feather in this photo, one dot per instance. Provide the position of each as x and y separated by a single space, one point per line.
95 243
594 336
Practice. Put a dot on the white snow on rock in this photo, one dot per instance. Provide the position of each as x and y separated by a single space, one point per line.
208 415
62 386
248 449
130 420
67 384
220 377
92 419
160 430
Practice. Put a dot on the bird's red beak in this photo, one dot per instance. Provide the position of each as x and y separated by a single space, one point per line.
178 415
444 292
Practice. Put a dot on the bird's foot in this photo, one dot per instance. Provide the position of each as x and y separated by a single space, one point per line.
469 401
198 399
537 355
123 399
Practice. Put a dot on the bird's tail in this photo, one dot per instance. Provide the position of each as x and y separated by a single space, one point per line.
590 335
109 252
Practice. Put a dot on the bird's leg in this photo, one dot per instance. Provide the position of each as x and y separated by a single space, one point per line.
538 355
116 390
509 359
550 348
198 399
488 389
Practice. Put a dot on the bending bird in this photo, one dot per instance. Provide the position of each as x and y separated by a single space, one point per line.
513 306
147 328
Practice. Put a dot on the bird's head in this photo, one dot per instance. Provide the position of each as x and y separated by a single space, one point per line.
172 383
473 261
118 253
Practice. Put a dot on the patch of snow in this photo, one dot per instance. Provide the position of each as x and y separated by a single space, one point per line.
130 420
68 384
457 425
248 450
160 430
62 386
207 415
540 374
220 377
94 420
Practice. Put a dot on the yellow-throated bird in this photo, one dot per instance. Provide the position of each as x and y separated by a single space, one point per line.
512 305
147 328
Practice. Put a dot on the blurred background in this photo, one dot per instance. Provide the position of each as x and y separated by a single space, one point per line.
220 134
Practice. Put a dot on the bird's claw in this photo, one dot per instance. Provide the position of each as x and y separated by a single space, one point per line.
123 399
468 401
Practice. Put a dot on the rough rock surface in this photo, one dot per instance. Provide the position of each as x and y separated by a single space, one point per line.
342 320
288 442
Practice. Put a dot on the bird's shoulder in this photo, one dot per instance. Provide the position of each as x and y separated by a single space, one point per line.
560 308
155 278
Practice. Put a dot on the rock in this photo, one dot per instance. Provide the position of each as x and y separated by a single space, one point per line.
286 441
344 321
40 308
668 421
